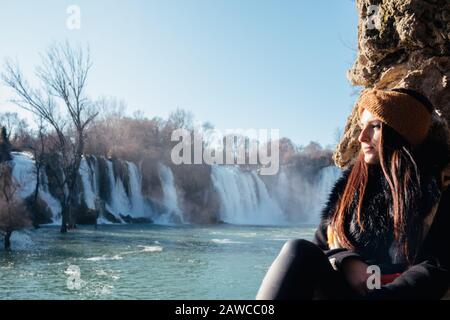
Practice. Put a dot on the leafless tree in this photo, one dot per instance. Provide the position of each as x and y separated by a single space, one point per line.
37 146
17 129
181 118
13 124
61 101
13 214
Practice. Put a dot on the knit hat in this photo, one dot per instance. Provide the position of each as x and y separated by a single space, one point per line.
404 113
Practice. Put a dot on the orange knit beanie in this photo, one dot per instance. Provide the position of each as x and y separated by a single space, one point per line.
405 114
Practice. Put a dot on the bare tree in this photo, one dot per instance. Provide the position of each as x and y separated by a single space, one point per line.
181 118
13 124
37 145
61 101
13 214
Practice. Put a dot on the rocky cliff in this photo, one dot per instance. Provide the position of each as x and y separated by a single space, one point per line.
401 43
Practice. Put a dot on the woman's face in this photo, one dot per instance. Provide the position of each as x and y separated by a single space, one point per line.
370 137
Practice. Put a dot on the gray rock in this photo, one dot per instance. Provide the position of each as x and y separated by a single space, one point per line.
406 44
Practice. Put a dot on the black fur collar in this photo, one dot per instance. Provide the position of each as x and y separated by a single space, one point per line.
377 238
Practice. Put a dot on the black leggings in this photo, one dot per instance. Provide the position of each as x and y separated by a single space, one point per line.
302 271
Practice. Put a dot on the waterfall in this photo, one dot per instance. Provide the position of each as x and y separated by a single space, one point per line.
170 198
89 183
296 194
244 197
270 211
118 202
138 203
326 179
52 202
24 174
283 188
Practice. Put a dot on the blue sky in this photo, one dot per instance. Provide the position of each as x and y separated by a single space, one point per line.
237 64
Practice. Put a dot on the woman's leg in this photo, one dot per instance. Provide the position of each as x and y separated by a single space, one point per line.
302 271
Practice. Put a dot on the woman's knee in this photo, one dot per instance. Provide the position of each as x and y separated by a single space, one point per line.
299 248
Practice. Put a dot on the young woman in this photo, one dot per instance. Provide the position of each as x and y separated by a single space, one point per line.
389 211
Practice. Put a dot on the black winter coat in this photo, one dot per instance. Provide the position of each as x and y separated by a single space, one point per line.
429 275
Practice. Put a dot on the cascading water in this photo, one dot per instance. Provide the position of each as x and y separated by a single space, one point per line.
119 202
52 202
244 197
131 203
24 174
89 183
326 179
170 198
283 188
138 203
270 210
296 194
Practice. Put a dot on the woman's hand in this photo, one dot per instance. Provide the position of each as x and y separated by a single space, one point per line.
355 272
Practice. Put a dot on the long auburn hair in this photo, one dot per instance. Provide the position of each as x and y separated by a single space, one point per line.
402 173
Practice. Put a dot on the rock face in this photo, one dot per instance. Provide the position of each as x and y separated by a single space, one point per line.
401 43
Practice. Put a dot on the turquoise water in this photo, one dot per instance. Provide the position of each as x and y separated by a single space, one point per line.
142 262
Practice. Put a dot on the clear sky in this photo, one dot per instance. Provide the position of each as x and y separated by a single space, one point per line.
235 63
